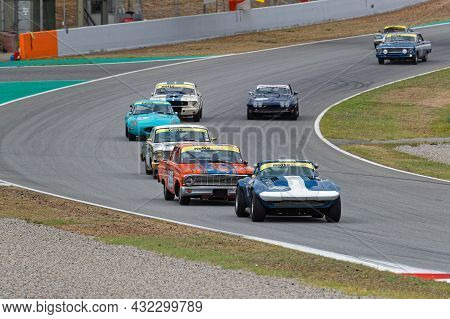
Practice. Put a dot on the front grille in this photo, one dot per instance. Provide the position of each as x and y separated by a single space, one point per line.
395 50
148 129
216 179
178 103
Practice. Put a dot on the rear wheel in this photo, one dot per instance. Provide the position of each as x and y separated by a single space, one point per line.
240 204
333 213
425 57
258 211
380 61
167 194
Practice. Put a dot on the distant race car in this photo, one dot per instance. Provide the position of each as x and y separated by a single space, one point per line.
273 100
378 38
162 140
287 187
403 46
146 114
185 98
202 171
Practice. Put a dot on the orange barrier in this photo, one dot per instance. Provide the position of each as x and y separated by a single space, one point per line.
35 45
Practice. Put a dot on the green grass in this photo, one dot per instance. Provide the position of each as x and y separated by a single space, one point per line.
14 90
415 108
419 107
387 155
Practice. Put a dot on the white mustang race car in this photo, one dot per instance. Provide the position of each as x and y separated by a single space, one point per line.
185 98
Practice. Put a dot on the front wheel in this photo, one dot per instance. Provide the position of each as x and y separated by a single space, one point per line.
240 204
294 116
333 213
250 116
380 61
126 131
155 174
425 57
198 116
415 59
167 194
183 200
258 211
148 170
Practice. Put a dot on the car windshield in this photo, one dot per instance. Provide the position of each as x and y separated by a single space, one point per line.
279 90
394 29
152 108
181 136
287 171
401 38
214 156
174 90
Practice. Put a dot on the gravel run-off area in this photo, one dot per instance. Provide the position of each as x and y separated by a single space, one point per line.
433 152
38 261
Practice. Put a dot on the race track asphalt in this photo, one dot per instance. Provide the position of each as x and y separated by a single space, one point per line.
71 142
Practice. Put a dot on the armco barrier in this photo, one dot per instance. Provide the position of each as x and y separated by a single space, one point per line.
38 45
173 30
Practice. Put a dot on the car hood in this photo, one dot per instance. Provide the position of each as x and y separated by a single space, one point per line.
270 98
154 119
400 44
175 97
285 183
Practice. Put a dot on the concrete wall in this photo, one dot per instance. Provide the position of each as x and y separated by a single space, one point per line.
180 29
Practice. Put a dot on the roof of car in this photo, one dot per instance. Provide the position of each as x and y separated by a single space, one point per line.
151 101
395 26
283 160
180 126
272 86
187 84
211 146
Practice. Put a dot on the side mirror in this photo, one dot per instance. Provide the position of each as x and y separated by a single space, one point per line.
250 93
295 92
152 94
316 166
131 106
255 165
213 139
245 162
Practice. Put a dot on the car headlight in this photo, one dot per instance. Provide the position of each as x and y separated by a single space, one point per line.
385 51
195 104
257 104
404 51
158 155
284 104
133 123
189 181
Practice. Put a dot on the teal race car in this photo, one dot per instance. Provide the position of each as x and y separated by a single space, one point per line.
146 114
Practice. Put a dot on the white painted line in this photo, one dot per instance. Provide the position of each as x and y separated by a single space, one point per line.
319 133
379 265
96 64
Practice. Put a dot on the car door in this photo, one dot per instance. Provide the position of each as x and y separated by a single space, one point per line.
170 169
420 46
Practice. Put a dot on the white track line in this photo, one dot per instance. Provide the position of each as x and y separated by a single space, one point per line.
380 265
319 133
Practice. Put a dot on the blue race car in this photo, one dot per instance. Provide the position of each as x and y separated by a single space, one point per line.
403 47
273 101
146 114
287 187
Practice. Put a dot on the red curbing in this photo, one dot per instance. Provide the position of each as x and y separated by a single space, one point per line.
429 276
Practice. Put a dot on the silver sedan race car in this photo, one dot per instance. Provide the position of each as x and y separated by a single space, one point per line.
162 140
